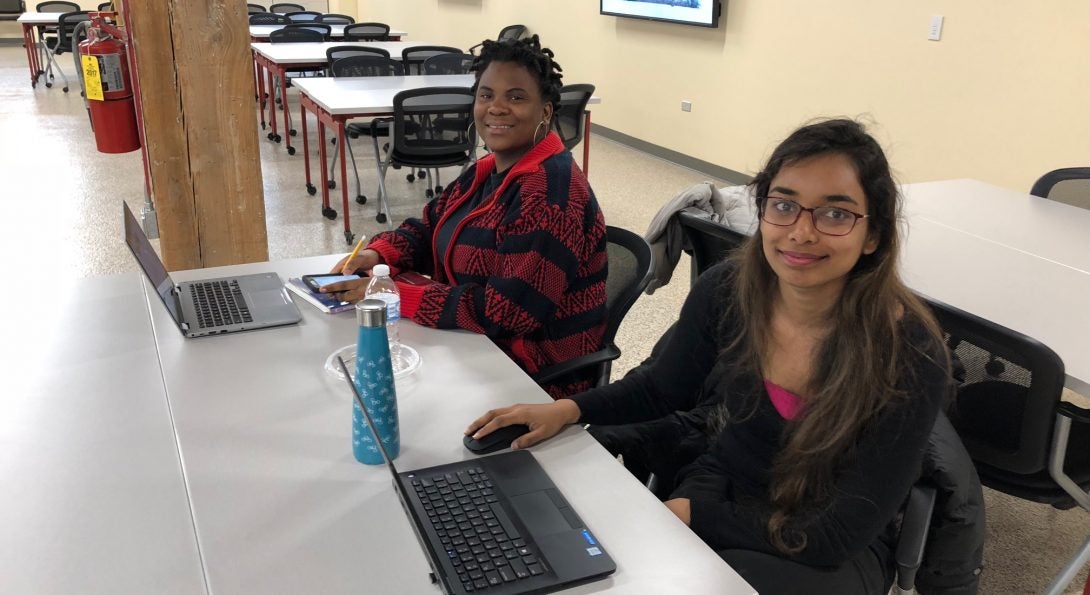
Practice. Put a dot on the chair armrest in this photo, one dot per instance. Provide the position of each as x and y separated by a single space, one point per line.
1073 411
472 48
607 354
915 524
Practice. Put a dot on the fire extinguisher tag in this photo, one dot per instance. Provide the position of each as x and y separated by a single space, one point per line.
102 74
92 78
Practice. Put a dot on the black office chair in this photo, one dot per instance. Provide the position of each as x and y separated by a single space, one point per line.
508 32
105 6
413 58
57 6
359 62
286 7
323 30
1069 185
1025 441
367 32
709 241
61 41
268 18
255 9
11 9
335 19
449 64
629 273
417 142
569 114
303 16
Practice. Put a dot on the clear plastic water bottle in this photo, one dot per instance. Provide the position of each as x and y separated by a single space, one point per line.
375 383
382 287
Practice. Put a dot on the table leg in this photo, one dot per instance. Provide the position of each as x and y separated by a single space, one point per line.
303 103
343 140
324 158
31 53
586 142
287 116
272 102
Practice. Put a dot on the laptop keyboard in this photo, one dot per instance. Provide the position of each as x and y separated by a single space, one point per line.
479 538
219 303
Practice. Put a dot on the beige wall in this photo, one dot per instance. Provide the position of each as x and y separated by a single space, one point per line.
1003 97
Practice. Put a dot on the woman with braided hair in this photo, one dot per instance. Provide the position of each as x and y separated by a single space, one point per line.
516 247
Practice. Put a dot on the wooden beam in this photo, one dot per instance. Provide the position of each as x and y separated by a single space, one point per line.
195 73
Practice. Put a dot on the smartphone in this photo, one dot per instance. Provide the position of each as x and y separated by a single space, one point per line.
316 282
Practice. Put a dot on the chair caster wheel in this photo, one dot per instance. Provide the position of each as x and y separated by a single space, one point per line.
270 136
278 138
422 174
331 184
48 85
329 213
361 199
291 150
348 237
312 189
381 217
411 178
428 193
293 132
65 89
438 190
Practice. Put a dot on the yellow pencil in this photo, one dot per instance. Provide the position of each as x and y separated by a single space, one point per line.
355 251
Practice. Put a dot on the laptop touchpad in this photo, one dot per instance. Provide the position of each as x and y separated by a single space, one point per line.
539 513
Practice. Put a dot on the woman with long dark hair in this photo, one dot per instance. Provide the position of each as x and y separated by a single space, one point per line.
825 371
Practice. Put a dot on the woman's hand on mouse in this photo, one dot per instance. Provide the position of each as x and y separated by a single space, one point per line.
544 421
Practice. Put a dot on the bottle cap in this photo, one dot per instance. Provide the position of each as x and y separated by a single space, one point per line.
380 270
371 313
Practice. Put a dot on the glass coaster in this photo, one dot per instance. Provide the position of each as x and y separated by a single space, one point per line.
406 361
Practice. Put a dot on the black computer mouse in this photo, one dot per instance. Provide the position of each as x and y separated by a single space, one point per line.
500 439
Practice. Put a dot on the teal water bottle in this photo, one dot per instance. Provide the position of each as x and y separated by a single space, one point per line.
375 381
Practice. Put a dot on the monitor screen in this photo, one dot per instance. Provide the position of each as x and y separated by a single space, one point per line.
704 13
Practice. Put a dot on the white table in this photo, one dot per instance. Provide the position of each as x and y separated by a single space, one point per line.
261 32
94 499
32 22
281 506
1049 229
277 58
336 100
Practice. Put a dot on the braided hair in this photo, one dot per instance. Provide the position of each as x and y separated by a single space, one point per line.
528 53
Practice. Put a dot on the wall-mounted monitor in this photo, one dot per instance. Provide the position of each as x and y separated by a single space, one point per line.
703 13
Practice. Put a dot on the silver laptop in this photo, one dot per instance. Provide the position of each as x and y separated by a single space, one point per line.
213 306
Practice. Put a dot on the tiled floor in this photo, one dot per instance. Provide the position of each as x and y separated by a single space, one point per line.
61 214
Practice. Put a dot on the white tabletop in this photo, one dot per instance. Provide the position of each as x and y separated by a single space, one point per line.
94 500
334 30
40 18
1045 228
281 506
373 94
314 53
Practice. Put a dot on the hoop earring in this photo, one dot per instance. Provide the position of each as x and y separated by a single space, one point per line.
539 125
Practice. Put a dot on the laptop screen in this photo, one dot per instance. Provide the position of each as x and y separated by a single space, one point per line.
149 261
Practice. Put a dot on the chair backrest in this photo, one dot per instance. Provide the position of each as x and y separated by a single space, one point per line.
412 58
511 32
335 19
57 6
255 8
268 18
1070 185
363 65
710 241
346 51
629 273
319 28
290 34
105 6
422 129
367 32
568 116
303 16
286 7
449 64
1008 388
66 25
12 8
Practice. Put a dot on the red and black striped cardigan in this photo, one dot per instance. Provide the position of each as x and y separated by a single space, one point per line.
527 267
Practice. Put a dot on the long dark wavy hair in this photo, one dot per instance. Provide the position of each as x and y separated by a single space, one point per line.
858 363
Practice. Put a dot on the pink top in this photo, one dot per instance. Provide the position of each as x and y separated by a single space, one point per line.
786 402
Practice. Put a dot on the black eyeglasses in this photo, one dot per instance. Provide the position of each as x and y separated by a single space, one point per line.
831 221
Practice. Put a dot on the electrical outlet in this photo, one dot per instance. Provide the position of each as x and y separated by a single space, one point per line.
934 32
686 105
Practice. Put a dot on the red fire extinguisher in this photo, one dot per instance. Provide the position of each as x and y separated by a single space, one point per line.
108 86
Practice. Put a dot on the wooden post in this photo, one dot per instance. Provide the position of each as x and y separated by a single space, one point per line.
195 73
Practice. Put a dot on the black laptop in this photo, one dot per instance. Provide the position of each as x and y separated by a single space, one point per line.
213 306
496 524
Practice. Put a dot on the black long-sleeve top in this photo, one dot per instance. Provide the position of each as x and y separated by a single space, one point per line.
728 486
